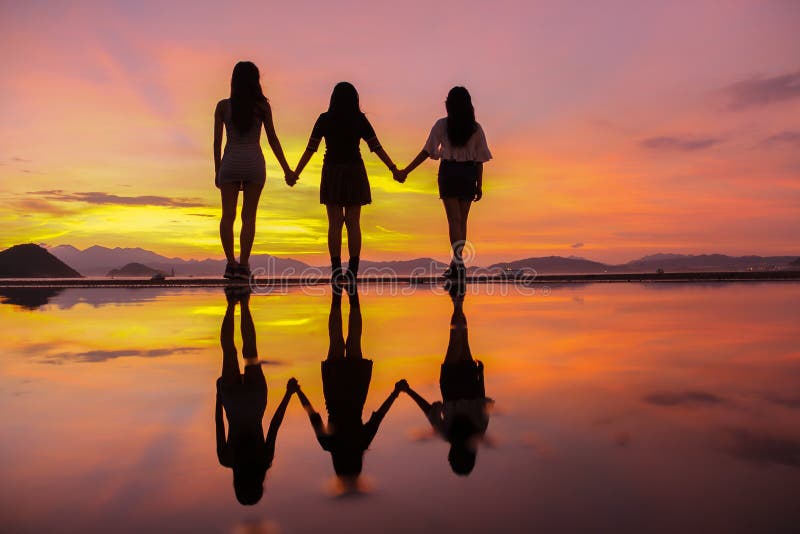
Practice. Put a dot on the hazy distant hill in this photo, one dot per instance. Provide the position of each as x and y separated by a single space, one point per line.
419 266
647 264
134 269
705 262
32 261
98 261
556 265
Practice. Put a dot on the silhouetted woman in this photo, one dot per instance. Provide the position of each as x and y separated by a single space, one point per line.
244 400
459 142
463 415
346 376
344 187
241 167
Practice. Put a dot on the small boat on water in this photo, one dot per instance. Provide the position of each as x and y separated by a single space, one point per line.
510 273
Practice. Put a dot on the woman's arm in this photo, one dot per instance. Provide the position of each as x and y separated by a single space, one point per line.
424 405
277 419
217 137
378 415
274 142
313 417
422 156
479 190
317 133
304 159
368 135
381 153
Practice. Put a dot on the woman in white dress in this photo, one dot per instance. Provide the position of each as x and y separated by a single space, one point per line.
241 167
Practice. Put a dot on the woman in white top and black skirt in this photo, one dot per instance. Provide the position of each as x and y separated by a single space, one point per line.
459 142
344 187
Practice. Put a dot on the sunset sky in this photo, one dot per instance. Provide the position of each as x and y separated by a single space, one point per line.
618 128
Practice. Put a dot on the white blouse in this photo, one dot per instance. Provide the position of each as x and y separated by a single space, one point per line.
438 145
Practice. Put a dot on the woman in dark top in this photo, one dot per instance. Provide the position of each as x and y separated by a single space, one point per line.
459 142
461 418
344 187
243 398
346 375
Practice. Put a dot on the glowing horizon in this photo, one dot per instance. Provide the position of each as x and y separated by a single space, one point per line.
618 130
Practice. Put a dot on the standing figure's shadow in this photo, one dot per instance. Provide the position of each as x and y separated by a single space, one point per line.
346 375
462 417
243 398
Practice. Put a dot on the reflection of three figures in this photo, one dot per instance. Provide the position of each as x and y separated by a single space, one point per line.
460 418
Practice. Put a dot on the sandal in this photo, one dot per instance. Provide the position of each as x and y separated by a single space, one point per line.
243 272
230 270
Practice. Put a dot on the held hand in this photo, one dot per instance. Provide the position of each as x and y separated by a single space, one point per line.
291 178
401 385
399 175
292 386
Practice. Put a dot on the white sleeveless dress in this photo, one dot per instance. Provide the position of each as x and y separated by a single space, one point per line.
242 160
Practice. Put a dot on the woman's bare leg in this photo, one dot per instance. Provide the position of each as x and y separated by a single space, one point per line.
335 335
252 193
230 195
335 223
230 359
452 208
354 328
352 219
249 350
458 346
464 206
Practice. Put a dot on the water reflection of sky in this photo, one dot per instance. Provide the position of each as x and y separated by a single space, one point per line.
617 407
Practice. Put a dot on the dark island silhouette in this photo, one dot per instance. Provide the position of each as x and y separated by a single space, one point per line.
33 261
29 298
135 269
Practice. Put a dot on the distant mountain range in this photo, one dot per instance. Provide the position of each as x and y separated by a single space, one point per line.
68 261
556 265
419 266
674 263
98 261
32 261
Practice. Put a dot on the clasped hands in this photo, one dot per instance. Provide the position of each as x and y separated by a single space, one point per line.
400 175
291 177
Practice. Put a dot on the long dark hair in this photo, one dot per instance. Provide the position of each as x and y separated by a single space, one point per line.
460 116
344 101
246 94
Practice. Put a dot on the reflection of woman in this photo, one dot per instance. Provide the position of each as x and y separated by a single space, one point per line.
244 399
462 417
345 383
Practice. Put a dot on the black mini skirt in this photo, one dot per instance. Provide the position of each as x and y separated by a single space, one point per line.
344 184
458 179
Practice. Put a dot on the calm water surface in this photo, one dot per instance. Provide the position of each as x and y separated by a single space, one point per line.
617 407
